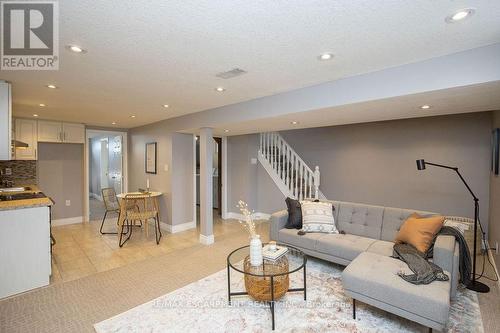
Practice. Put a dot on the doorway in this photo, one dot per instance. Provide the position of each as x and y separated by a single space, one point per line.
216 180
105 156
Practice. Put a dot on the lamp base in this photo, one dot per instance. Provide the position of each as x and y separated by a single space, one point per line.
478 287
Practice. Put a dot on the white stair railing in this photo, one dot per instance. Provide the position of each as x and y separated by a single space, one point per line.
290 173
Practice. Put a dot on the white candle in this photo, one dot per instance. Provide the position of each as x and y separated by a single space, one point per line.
147 183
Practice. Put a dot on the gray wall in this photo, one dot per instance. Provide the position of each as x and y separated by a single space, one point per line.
60 176
249 182
138 137
494 228
182 178
374 163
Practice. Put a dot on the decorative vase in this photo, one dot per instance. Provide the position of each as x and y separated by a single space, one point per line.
256 251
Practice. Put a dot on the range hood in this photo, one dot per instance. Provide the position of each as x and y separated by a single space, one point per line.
19 144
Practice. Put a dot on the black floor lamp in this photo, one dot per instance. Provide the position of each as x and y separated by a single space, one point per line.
473 285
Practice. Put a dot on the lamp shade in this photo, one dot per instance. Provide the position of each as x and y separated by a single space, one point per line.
420 165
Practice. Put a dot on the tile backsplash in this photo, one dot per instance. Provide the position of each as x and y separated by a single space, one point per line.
23 172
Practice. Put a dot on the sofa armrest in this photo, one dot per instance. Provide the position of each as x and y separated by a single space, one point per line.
278 222
446 256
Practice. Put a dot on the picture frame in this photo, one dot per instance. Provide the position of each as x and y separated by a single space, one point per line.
150 157
495 151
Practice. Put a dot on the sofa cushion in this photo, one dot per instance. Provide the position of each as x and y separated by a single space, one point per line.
307 241
359 219
294 214
419 232
394 218
317 217
384 248
345 247
375 277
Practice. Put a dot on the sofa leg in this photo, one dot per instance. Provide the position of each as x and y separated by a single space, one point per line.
353 308
430 329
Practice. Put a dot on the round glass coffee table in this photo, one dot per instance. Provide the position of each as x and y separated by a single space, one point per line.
269 281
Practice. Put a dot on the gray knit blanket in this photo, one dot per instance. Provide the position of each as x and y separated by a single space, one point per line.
424 271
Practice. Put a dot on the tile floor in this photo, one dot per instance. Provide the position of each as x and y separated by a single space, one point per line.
81 250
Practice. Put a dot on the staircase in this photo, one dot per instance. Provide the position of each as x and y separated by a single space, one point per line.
288 171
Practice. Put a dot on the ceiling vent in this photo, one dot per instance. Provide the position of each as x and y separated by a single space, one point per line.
232 73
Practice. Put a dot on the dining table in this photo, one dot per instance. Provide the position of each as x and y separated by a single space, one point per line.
153 195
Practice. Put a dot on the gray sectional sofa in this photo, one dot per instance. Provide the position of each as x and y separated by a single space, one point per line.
371 274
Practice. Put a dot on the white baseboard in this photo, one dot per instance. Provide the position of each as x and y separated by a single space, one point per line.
68 220
178 227
238 216
207 240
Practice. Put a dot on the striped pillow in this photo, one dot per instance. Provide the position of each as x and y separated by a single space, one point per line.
318 217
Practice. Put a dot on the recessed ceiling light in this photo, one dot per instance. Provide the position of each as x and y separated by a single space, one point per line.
460 15
41 105
325 56
294 122
113 123
220 89
132 116
425 107
226 130
166 106
51 86
75 49
35 115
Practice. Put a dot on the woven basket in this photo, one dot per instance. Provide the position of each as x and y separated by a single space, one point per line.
259 288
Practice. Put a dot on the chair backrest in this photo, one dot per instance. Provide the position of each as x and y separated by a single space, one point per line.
141 199
110 199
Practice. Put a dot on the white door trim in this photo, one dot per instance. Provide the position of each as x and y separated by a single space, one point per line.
194 180
224 178
89 133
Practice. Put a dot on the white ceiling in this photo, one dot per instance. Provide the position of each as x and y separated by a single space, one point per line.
476 98
142 54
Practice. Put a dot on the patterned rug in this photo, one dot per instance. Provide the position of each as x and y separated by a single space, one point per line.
202 307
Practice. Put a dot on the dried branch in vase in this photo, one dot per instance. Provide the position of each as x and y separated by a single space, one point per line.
249 223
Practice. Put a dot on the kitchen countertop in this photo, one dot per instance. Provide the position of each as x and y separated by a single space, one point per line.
26 203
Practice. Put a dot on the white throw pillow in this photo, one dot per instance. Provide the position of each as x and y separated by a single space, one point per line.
318 217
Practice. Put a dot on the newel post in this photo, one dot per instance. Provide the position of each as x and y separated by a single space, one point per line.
316 182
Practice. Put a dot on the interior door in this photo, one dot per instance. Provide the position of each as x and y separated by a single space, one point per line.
104 163
115 175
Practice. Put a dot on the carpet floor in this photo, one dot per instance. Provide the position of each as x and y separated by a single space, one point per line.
202 306
75 306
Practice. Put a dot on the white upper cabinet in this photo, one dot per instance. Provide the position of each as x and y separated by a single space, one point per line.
53 131
5 121
73 133
26 131
49 131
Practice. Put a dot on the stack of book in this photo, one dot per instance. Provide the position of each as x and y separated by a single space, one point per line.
268 253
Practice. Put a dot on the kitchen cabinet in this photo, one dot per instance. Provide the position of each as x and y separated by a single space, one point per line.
5 121
26 131
54 131
73 133
49 131
25 257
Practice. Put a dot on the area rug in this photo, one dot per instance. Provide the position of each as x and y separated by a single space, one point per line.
202 307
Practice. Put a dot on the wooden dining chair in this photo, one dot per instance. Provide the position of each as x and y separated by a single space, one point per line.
112 205
129 216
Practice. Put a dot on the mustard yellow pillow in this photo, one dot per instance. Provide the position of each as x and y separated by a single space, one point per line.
419 231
